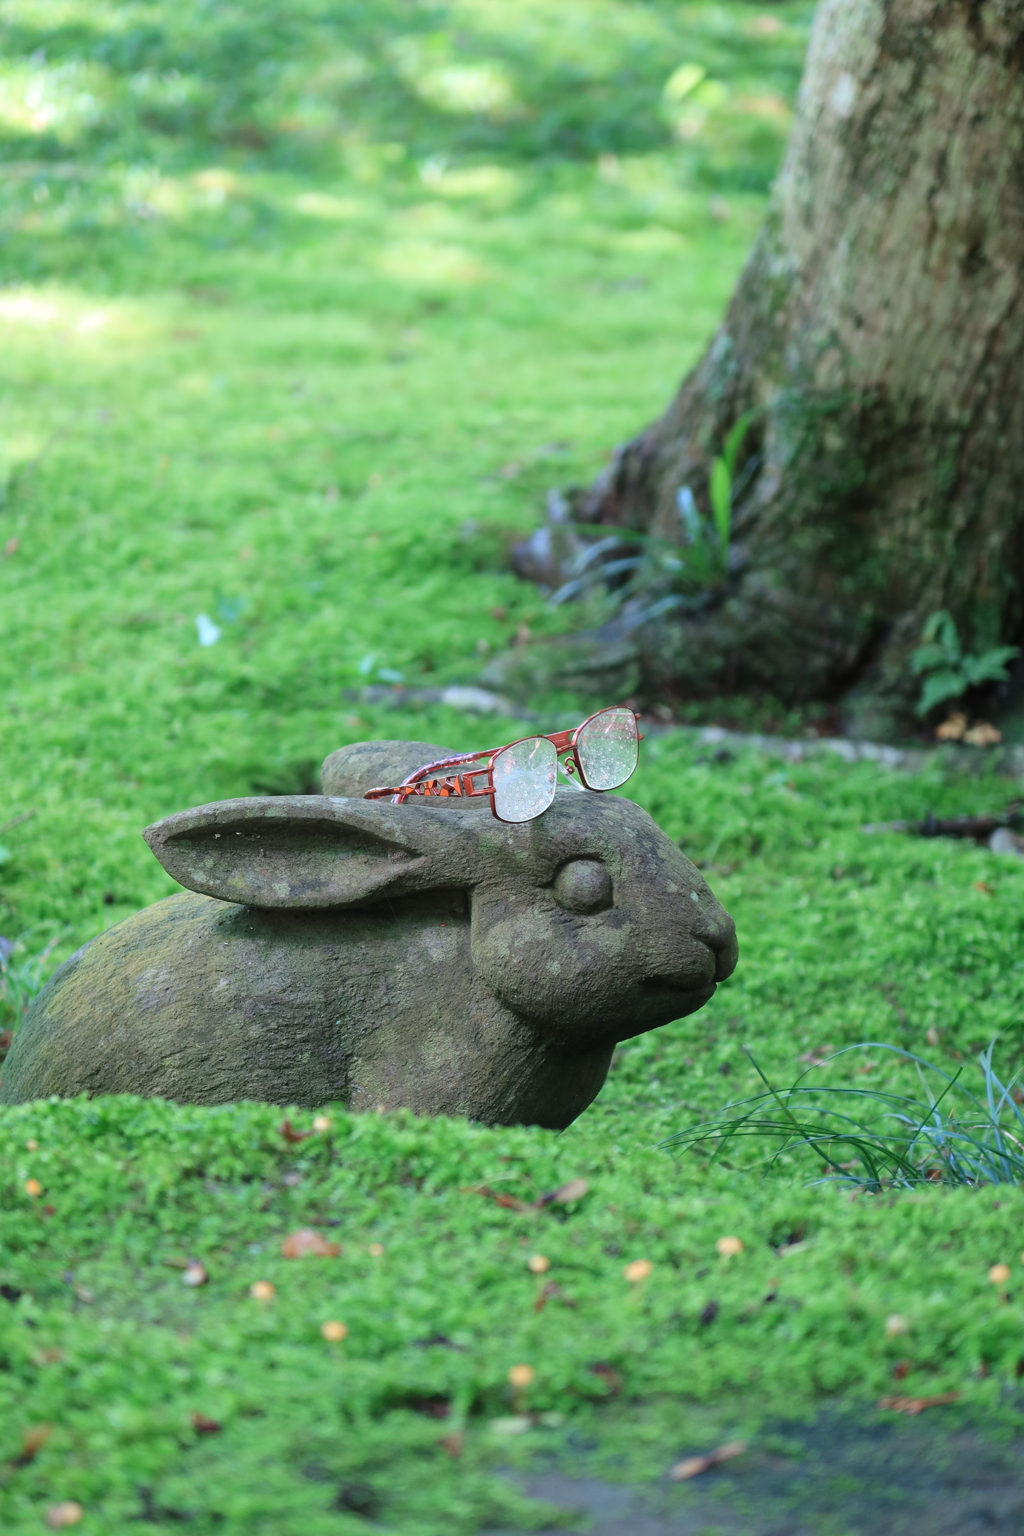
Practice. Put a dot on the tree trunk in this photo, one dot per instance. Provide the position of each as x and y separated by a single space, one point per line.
878 330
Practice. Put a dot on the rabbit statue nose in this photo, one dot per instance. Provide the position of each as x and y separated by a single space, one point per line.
716 929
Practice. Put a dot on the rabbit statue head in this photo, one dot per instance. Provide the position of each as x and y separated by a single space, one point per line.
423 954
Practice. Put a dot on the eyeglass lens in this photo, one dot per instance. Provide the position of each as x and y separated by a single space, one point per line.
523 776
608 749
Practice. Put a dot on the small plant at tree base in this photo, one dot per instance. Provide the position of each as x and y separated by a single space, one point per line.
949 1136
948 670
663 574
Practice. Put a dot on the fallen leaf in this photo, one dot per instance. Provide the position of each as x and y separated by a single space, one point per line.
507 1202
32 1441
984 887
307 1243
262 1290
917 1404
375 1250
290 1134
693 1466
548 1293
729 1247
439 1341
334 1332
999 1274
638 1270
983 735
204 1426
194 1274
901 1369
60 1515
952 728
818 1055
538 1264
932 1035
33 1188
11 547
453 1443
31 1145
48 1356
521 1375
609 1375
575 1189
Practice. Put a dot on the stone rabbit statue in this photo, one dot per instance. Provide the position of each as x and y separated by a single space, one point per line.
424 955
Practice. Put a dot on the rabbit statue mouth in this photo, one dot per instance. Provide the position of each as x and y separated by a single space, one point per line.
719 965
681 987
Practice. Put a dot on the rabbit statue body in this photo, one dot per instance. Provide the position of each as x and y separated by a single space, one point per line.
426 955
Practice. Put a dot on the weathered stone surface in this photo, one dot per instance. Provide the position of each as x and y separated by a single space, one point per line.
423 955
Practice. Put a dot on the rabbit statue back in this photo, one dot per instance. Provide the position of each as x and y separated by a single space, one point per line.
424 955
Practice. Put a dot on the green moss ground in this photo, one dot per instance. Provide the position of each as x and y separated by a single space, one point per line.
303 309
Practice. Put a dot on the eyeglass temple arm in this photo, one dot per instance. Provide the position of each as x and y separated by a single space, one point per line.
445 762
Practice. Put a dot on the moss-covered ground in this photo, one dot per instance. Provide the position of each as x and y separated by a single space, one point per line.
303 308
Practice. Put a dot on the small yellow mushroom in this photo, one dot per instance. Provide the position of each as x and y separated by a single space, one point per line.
58 1516
638 1270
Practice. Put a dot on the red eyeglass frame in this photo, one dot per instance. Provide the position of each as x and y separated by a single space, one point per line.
463 785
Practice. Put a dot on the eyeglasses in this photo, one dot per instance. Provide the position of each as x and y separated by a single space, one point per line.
520 778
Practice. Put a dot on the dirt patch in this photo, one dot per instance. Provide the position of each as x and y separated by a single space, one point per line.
838 1477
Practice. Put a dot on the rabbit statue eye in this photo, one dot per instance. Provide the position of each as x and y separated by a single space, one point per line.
584 885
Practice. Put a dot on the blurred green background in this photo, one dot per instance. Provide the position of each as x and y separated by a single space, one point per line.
303 307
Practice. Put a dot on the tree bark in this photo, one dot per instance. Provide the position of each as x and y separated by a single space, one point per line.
878 330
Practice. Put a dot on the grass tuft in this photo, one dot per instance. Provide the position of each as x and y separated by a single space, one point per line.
949 1136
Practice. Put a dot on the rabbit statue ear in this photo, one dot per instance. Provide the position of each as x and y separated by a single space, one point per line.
310 850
